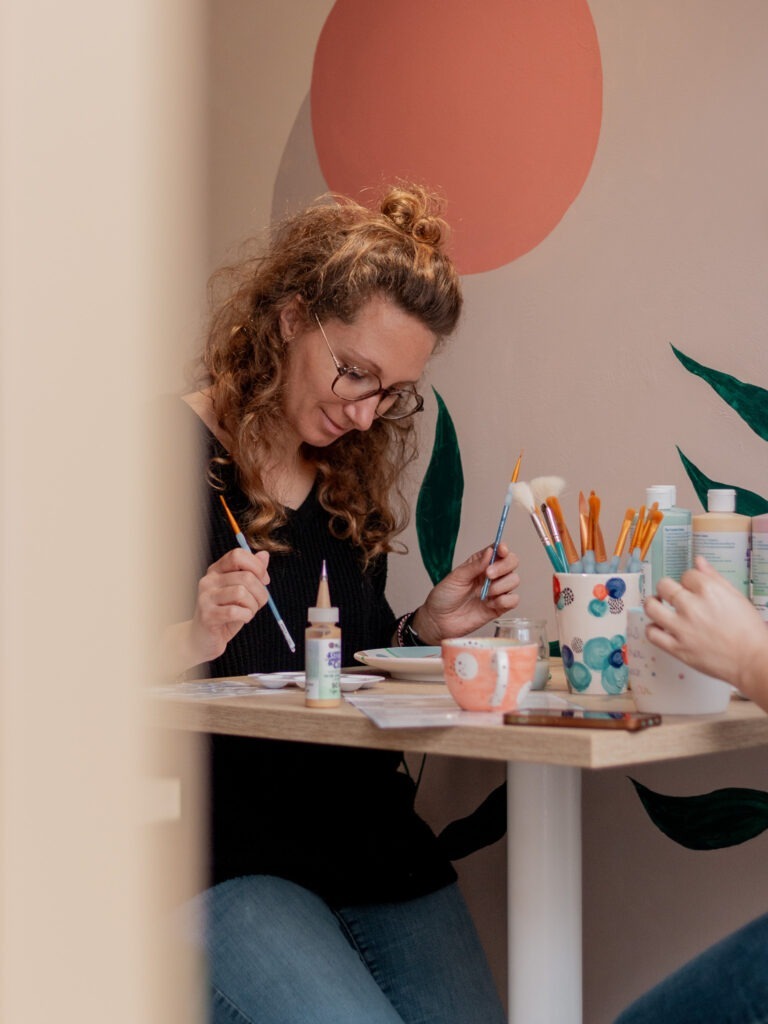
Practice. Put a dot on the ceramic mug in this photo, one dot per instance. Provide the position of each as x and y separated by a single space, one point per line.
662 683
591 613
488 673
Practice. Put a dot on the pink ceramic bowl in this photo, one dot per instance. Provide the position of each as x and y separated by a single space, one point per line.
488 673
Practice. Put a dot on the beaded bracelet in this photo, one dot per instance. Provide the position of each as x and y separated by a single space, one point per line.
405 633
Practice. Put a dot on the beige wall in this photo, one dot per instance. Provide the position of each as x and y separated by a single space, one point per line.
565 353
100 256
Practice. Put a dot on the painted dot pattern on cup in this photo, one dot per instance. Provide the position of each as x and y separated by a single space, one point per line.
606 656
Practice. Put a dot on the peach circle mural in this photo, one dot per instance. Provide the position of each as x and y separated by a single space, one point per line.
496 104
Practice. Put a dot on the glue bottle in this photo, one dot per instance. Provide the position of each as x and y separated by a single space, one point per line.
759 564
670 553
723 537
322 650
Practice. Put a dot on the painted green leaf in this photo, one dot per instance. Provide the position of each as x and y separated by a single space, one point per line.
725 817
748 400
438 509
747 502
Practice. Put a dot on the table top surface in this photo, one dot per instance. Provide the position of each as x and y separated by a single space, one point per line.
283 715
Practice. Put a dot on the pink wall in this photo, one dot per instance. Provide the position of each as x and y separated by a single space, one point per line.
655 232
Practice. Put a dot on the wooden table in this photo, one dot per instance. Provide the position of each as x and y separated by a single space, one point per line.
544 803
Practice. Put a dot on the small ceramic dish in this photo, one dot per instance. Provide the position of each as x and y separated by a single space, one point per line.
278 680
419 663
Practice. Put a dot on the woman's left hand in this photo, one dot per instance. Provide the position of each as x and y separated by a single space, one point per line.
453 607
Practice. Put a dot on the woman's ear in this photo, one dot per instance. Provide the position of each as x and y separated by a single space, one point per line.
292 319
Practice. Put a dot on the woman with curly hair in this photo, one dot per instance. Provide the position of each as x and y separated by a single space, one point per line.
331 899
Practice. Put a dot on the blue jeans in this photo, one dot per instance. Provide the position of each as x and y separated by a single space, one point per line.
278 954
726 984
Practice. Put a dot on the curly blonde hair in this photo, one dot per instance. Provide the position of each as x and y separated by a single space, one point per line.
334 257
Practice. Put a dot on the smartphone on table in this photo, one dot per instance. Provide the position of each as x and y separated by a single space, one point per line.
576 718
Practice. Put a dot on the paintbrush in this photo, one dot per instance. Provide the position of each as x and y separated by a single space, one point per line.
655 517
522 495
571 555
598 544
617 551
637 530
640 541
541 487
583 523
502 521
240 538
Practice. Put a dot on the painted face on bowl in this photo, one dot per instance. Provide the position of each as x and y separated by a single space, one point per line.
488 673
466 666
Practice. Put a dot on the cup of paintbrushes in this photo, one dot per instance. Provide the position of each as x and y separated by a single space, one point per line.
591 615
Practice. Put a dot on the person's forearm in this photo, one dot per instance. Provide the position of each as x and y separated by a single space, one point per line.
752 676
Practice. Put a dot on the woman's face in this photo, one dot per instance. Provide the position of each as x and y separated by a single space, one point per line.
383 339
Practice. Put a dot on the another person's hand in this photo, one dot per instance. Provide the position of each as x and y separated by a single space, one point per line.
229 595
713 628
453 607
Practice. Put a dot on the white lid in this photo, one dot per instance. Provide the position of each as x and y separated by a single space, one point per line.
721 499
323 615
665 494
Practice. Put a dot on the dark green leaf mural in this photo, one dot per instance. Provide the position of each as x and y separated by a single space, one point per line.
725 817
747 502
438 509
711 821
748 400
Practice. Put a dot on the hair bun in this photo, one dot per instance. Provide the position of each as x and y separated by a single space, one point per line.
415 212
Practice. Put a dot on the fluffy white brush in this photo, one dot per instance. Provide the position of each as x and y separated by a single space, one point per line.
522 495
543 488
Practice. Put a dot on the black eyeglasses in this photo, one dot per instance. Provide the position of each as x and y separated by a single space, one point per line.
352 384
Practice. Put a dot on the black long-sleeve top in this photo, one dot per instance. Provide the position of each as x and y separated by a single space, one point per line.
337 820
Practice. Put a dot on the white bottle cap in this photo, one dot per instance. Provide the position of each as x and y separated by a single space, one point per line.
721 499
323 615
665 494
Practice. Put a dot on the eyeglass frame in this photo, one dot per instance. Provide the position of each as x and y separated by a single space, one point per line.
342 369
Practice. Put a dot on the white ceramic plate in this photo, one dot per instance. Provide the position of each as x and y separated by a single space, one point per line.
349 683
419 663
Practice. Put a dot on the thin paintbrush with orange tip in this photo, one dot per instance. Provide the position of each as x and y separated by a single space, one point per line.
640 539
502 521
571 555
637 532
622 539
516 470
597 533
240 538
655 517
583 524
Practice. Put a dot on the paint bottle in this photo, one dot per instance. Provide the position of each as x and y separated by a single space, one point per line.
723 537
759 564
670 553
322 650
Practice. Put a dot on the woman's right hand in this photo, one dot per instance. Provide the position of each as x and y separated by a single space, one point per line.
229 595
708 624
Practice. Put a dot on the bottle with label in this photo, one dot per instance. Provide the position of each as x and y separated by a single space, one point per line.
670 553
723 537
759 564
322 650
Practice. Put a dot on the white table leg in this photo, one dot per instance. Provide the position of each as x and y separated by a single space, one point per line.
544 893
